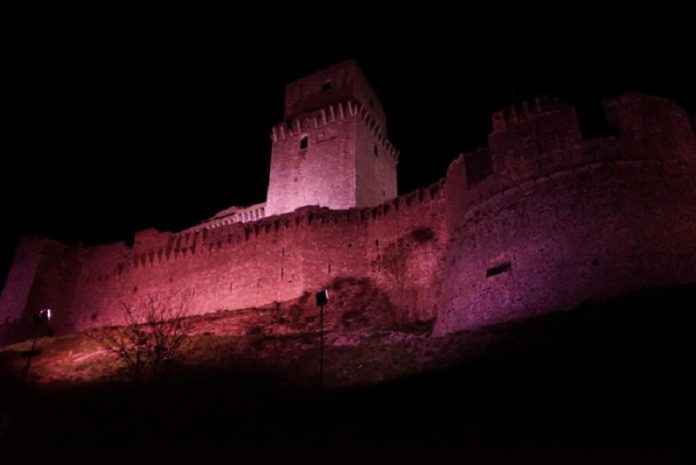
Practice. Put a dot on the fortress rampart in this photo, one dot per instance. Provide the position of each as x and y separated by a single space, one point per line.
580 220
540 220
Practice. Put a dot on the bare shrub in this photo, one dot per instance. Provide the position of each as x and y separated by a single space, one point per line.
152 337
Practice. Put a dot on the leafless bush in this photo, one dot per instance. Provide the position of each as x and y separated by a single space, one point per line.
153 334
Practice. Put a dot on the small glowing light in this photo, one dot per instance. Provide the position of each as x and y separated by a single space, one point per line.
43 316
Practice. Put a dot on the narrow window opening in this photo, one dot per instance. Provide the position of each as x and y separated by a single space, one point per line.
374 150
304 142
498 269
326 86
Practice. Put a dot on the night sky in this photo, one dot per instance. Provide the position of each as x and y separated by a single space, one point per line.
120 119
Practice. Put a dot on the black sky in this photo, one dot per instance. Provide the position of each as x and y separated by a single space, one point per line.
118 119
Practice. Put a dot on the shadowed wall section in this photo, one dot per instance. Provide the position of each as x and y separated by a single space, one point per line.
595 218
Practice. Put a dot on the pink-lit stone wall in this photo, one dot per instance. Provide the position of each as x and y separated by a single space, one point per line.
323 173
332 149
339 83
43 275
15 294
533 136
483 245
249 265
604 217
375 164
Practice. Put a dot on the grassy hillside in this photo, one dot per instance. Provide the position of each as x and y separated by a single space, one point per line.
605 383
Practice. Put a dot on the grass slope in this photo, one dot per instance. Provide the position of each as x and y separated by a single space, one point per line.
606 383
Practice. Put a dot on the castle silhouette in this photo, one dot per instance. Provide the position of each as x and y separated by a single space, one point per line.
540 220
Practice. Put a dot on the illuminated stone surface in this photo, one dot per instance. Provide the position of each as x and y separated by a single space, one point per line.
540 220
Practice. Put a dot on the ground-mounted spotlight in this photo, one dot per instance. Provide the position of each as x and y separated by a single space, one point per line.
42 316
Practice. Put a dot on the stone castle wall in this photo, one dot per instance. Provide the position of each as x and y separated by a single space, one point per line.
332 148
530 225
563 220
248 265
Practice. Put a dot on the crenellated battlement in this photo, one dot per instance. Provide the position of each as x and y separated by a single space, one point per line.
332 148
231 215
539 220
376 129
333 114
524 111
656 125
533 136
212 239
315 120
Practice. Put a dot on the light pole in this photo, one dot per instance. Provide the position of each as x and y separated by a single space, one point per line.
40 317
322 299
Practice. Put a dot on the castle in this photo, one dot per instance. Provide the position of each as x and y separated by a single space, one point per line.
540 220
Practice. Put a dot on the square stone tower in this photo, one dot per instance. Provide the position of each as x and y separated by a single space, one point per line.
331 149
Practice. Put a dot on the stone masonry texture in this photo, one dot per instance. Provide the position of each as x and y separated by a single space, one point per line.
541 220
